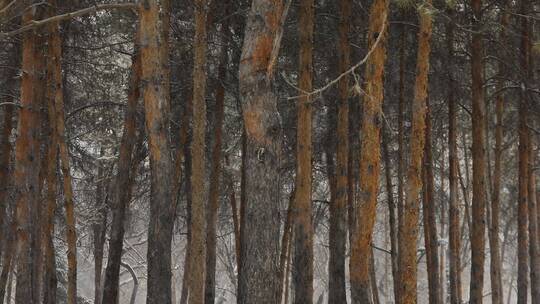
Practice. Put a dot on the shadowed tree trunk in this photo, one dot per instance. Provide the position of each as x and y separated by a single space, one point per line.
534 256
259 269
213 202
478 226
494 246
429 216
392 222
454 254
303 226
338 207
198 239
409 228
122 188
523 166
162 203
369 162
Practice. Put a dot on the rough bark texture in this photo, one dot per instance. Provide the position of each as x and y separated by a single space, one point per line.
123 187
338 208
259 270
198 239
303 226
454 254
26 178
494 243
156 120
215 175
478 226
372 121
409 228
431 238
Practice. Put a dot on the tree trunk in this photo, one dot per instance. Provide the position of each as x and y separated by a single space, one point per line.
495 251
99 230
259 270
369 162
338 208
534 253
523 167
198 242
478 226
26 178
303 226
453 205
162 204
391 215
213 203
123 186
429 216
409 228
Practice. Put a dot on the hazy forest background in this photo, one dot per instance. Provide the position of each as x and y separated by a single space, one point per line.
269 151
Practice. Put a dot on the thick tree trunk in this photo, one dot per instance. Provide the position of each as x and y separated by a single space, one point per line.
259 270
409 227
162 205
369 162
123 187
26 178
478 226
338 208
429 216
303 226
198 242
494 243
213 202
454 254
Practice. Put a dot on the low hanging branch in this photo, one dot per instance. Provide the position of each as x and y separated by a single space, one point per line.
86 11
349 71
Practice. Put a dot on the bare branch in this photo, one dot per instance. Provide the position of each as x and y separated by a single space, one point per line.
58 18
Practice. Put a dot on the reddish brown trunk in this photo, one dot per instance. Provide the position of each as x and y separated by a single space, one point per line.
478 226
369 162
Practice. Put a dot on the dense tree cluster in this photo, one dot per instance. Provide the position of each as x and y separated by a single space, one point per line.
269 151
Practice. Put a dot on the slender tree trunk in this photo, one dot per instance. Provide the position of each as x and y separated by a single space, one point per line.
495 251
99 229
478 226
453 205
210 289
259 270
391 215
26 160
409 228
338 208
429 216
523 166
123 187
373 279
369 162
198 242
162 205
286 244
303 226
534 253
71 233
